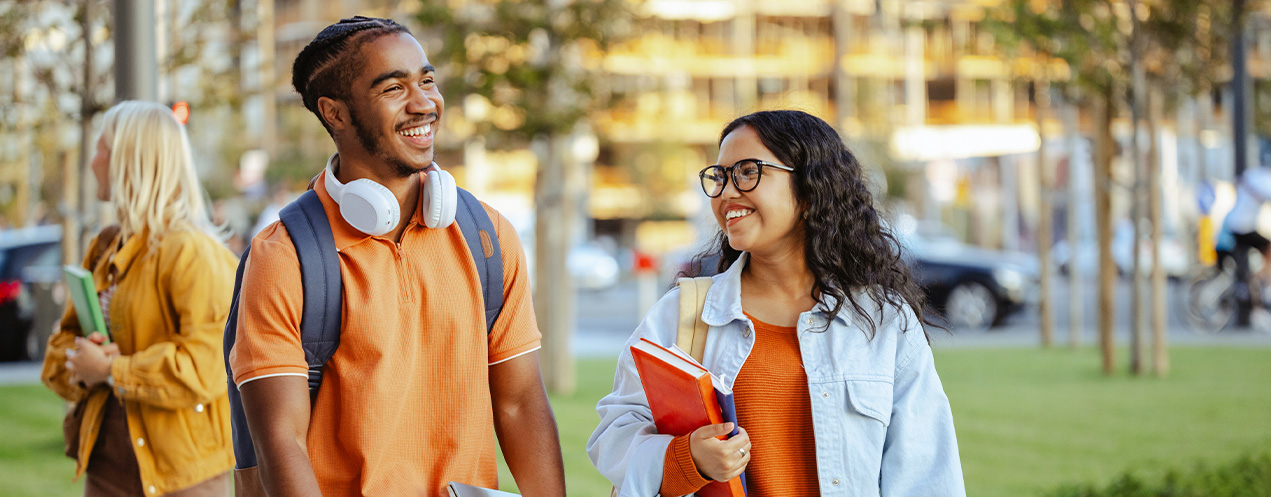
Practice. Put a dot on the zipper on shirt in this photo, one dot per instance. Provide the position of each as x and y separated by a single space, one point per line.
404 287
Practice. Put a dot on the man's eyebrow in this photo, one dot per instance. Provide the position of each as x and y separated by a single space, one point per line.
397 74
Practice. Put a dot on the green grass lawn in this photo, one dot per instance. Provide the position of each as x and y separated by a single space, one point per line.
1027 420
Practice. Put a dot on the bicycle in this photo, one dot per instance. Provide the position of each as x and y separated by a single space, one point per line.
1213 296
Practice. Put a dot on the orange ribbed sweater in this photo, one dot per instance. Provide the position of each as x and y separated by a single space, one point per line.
771 394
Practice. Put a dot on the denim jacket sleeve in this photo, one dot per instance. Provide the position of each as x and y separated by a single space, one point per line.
920 456
626 447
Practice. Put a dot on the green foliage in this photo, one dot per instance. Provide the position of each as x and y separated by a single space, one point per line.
1262 110
310 146
527 59
1249 476
1183 41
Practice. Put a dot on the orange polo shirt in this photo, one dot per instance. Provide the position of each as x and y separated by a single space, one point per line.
405 403
771 396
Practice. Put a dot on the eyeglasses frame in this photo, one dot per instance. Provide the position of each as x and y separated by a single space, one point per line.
730 172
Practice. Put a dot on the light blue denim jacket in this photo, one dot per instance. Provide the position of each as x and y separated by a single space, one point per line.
881 419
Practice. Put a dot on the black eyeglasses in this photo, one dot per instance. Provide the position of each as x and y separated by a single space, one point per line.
745 174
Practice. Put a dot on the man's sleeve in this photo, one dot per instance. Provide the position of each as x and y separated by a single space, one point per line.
516 330
270 302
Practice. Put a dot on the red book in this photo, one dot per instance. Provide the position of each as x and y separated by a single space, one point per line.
683 398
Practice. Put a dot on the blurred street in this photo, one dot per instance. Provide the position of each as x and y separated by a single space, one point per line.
606 319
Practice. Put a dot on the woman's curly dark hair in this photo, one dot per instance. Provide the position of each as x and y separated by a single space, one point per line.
846 247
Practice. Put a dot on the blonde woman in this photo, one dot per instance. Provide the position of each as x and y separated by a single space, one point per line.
151 414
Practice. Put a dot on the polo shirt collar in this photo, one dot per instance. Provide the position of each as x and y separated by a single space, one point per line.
344 233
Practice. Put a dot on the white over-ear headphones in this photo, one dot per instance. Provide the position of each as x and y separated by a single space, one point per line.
372 209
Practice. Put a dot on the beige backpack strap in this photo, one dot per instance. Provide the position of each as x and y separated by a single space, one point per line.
691 335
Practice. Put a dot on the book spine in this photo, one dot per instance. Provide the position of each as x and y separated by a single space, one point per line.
729 411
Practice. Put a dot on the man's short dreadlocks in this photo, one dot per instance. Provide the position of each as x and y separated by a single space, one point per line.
326 65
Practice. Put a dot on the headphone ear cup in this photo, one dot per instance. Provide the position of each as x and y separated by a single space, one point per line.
441 197
370 207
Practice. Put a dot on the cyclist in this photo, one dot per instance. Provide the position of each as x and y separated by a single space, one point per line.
1240 227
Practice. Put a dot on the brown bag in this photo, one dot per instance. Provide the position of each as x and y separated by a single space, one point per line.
75 417
70 429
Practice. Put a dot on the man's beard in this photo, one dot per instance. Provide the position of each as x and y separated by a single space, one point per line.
374 145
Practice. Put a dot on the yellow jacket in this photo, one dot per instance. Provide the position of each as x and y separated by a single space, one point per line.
167 316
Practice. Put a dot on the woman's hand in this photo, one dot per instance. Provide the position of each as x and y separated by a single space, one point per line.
719 460
89 362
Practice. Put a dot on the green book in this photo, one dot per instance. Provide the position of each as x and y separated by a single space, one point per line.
79 282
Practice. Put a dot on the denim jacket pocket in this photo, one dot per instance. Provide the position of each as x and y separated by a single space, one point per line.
871 398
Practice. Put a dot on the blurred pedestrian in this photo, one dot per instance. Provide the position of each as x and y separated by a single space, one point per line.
816 324
1240 227
151 414
279 198
422 380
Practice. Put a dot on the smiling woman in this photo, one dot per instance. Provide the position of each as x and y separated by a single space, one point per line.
817 324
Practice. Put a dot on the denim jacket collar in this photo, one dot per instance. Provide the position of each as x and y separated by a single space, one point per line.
723 300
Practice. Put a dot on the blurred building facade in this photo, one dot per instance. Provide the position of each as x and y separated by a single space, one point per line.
943 121
906 82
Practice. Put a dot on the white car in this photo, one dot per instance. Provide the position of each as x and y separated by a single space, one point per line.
1174 258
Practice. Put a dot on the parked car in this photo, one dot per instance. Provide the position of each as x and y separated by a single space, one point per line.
591 267
971 288
31 290
1174 258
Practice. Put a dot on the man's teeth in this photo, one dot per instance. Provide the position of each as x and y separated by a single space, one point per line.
734 214
417 131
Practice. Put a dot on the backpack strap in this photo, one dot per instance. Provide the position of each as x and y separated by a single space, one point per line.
244 449
310 231
483 242
691 334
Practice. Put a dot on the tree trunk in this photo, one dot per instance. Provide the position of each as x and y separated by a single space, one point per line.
555 194
1076 319
1103 217
266 46
70 208
1160 357
78 191
1043 216
1138 82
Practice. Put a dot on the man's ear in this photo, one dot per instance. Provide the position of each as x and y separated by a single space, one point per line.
334 112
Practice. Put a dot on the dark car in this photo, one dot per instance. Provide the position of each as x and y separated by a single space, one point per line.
31 290
971 288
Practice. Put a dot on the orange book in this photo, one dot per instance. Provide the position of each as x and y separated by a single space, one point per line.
684 396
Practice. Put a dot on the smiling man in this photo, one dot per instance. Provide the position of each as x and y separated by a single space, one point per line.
417 390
